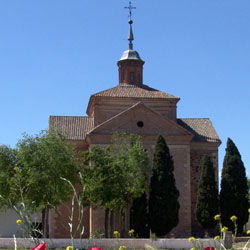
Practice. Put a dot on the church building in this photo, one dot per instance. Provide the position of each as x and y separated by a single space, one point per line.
134 107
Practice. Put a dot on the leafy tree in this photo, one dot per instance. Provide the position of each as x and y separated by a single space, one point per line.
207 199
139 216
44 159
30 175
12 190
163 197
116 174
101 181
8 160
130 158
234 189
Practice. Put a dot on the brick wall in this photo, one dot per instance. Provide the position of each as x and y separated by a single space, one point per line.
59 221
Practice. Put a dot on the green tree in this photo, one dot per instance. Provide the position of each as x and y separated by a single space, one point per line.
234 189
12 189
163 197
207 199
139 216
44 159
8 161
116 174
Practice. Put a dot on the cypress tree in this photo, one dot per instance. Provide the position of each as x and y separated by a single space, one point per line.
234 189
207 200
139 217
163 197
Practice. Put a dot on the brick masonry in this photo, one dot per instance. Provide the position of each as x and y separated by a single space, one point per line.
187 157
119 109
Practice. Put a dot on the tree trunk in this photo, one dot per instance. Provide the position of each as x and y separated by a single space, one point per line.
127 221
45 222
107 215
206 233
111 223
122 222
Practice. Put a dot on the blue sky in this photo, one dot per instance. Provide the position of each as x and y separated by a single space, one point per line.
55 54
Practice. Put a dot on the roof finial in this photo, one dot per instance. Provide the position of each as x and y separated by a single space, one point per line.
130 35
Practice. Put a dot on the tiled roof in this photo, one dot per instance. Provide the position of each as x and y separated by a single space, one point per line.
73 127
201 128
129 90
76 127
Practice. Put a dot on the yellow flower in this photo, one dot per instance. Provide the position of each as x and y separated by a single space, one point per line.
233 218
18 222
248 232
69 248
16 169
224 229
116 234
217 237
122 247
248 210
217 217
190 239
193 248
131 232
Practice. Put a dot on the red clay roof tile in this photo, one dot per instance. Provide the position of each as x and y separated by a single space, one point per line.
73 127
202 128
128 90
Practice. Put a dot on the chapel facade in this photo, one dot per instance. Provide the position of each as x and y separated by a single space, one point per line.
135 107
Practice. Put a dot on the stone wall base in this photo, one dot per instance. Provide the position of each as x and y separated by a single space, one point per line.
111 243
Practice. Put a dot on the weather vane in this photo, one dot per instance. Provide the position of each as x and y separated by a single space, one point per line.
130 7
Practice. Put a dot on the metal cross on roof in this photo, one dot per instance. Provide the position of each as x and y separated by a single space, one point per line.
130 7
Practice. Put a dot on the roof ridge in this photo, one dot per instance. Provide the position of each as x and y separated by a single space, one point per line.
79 116
127 85
194 118
104 90
141 91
